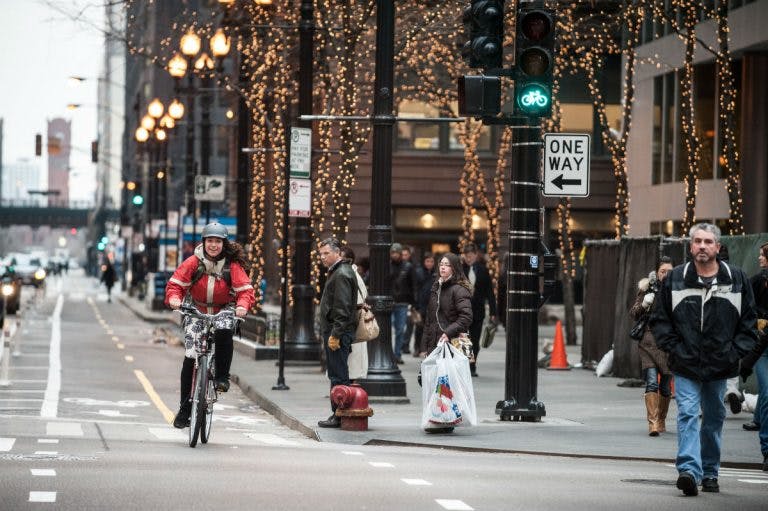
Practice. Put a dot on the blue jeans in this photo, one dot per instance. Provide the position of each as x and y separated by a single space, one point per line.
761 411
399 322
698 447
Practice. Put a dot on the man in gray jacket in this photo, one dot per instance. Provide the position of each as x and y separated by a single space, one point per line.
705 320
338 318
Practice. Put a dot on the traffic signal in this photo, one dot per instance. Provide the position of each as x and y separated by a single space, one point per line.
479 96
138 197
95 151
534 60
484 26
38 145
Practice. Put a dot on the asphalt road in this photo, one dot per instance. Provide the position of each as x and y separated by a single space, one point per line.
84 425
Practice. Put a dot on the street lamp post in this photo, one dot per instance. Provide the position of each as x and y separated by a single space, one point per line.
384 378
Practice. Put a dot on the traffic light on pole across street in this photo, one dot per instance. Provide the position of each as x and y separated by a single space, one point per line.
534 59
484 27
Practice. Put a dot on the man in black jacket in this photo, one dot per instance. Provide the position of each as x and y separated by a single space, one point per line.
478 276
705 319
338 319
403 279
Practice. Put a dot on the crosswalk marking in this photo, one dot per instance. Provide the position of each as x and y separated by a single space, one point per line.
416 482
47 440
42 496
64 429
754 481
47 453
380 464
454 505
270 439
43 472
352 453
6 444
168 434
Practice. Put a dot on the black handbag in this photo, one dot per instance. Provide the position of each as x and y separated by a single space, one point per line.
638 330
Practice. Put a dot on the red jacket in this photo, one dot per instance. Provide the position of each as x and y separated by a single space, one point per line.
211 292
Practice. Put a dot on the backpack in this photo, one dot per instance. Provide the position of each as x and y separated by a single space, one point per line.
226 273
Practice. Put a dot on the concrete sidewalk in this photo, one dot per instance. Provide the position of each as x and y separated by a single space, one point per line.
586 416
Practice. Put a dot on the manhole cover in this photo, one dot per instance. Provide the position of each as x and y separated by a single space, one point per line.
652 482
45 457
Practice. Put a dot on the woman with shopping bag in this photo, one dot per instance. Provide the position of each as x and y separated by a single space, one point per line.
449 314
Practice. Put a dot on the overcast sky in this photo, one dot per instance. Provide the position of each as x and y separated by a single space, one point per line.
41 47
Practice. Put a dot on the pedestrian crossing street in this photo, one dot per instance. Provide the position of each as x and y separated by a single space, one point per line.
742 475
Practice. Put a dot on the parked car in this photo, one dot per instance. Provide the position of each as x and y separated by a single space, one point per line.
10 287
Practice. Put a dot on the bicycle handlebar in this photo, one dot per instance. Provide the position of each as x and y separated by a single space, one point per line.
187 310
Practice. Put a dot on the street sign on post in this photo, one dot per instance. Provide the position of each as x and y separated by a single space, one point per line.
566 164
300 198
301 152
209 188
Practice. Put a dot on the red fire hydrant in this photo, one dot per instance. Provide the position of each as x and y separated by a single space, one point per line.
352 406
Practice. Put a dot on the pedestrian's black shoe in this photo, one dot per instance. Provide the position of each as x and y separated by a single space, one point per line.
751 426
765 463
181 420
709 484
687 483
734 402
222 384
400 361
407 351
331 422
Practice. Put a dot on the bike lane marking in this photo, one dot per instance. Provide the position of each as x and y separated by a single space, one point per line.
154 396
50 408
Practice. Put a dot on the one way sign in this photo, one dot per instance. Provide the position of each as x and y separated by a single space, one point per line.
566 164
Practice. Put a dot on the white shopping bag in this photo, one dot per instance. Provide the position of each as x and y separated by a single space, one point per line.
448 398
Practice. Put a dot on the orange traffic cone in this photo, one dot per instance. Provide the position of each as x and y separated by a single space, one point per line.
559 359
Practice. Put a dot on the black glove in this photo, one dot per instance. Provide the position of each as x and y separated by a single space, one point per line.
745 371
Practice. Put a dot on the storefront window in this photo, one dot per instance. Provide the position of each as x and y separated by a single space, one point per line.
417 135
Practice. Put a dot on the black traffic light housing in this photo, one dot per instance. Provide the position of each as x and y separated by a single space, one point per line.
534 59
479 96
95 151
38 145
484 26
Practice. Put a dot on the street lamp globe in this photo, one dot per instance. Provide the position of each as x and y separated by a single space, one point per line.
176 109
142 135
161 135
156 108
219 44
190 43
177 66
148 122
167 122
204 62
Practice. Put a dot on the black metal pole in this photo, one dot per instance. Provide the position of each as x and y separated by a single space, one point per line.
384 378
520 379
190 157
280 385
243 163
303 345
205 136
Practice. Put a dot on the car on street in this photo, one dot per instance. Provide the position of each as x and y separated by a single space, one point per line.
28 268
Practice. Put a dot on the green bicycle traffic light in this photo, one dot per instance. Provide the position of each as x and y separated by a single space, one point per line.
534 61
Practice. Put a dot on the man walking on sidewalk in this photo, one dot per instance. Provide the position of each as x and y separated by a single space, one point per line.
338 320
705 319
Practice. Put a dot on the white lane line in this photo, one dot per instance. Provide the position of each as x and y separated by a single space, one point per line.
47 440
64 429
6 444
352 453
753 481
50 406
381 464
270 439
43 472
21 399
42 496
454 505
51 453
168 434
416 482
129 358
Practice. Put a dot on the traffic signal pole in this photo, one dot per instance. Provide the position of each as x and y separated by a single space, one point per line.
523 298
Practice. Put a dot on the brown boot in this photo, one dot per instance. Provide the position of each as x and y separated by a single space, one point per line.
663 409
652 407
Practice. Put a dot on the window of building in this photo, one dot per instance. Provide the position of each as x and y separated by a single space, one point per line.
424 136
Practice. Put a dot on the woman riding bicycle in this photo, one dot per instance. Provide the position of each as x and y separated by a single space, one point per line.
214 277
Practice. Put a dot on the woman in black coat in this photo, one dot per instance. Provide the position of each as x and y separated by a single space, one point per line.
449 311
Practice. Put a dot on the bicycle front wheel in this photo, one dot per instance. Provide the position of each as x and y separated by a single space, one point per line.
210 399
198 400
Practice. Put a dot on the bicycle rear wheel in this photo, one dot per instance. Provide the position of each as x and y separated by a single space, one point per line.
198 400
